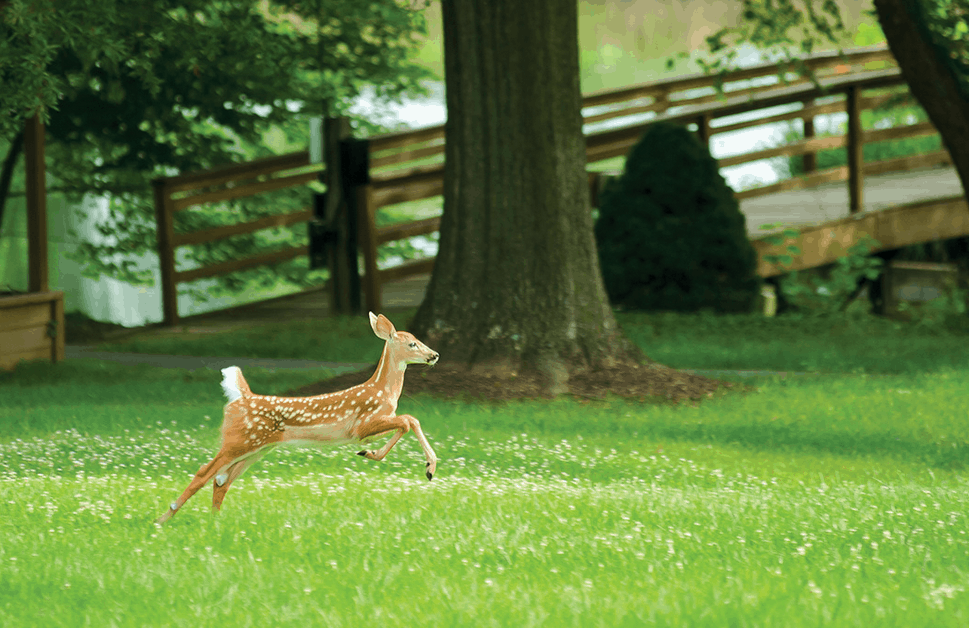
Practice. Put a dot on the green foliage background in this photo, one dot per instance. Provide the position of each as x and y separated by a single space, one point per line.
131 90
788 29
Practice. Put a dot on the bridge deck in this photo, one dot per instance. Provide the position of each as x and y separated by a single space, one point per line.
830 201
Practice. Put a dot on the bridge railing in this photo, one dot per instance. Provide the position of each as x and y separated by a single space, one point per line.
860 80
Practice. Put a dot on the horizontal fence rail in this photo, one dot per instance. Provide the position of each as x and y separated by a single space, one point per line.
409 166
179 193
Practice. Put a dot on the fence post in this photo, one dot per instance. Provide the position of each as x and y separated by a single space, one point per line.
855 145
37 268
165 228
368 242
355 173
809 160
57 345
335 131
593 178
663 98
703 129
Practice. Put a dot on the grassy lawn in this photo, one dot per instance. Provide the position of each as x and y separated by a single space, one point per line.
832 344
828 500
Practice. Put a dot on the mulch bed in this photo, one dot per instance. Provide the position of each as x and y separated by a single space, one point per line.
450 381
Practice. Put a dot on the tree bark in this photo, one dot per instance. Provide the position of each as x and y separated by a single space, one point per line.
930 75
516 285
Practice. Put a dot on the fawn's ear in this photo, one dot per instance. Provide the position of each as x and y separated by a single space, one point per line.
382 326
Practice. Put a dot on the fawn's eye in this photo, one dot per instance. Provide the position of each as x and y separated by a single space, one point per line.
413 345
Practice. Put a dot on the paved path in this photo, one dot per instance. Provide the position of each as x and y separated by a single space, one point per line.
192 363
313 304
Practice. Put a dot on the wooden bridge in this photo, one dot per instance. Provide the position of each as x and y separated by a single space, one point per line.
900 209
897 201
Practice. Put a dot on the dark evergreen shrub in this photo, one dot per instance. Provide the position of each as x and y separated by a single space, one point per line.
670 233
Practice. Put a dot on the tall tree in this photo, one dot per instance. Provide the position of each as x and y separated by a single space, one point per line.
516 285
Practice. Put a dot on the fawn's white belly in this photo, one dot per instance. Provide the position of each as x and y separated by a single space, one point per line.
319 435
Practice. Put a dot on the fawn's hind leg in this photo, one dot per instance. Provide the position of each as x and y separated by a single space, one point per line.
222 459
225 479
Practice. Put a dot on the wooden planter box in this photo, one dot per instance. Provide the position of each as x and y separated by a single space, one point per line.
31 328
916 283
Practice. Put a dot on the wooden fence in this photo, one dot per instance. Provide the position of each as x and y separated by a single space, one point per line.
174 194
410 166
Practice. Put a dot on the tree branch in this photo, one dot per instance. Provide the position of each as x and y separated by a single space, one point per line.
6 172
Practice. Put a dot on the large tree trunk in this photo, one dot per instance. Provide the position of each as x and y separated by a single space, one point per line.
516 285
930 75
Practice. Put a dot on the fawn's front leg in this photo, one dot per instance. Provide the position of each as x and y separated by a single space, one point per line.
403 424
431 465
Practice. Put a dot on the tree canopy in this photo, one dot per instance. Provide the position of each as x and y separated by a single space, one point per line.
223 57
132 89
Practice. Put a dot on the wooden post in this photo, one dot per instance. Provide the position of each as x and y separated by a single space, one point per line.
855 145
810 160
663 98
38 278
368 243
165 222
703 129
594 189
335 130
355 167
57 344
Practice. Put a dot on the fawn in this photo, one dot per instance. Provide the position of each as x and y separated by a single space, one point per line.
253 425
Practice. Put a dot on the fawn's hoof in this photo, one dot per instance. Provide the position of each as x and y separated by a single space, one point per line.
430 470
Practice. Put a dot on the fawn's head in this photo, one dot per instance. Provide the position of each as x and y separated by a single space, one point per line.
403 346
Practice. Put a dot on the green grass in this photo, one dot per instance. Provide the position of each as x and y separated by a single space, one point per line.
834 344
821 501
826 500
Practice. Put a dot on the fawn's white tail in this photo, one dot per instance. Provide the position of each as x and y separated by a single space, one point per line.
231 384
